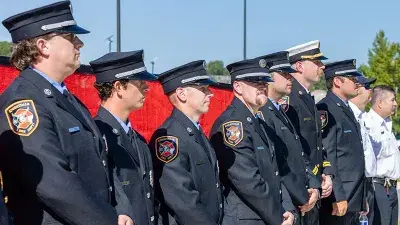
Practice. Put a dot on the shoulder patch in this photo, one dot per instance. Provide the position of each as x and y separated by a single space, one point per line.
260 115
324 117
167 148
233 132
22 117
284 103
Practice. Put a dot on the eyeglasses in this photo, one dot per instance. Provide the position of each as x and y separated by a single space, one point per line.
73 38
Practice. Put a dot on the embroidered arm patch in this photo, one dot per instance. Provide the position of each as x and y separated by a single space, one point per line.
233 132
167 148
22 117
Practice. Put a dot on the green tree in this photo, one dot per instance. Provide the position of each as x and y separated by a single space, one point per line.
321 85
384 64
5 48
216 67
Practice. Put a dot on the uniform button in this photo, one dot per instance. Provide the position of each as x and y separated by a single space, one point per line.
217 185
144 172
104 163
220 205
306 170
148 195
302 153
276 173
152 218
94 137
280 191
317 148
307 186
110 188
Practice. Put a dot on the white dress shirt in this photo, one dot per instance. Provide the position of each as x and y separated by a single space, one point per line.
384 146
369 156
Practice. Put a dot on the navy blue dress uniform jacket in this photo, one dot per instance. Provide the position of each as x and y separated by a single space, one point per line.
343 143
186 172
249 172
289 152
52 156
132 163
304 116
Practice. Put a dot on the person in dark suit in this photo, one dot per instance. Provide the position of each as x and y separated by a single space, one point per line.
300 107
121 83
52 156
343 143
249 172
287 142
185 164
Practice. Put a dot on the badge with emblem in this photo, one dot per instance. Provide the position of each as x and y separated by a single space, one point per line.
233 132
324 117
284 103
22 117
167 148
262 63
151 178
260 115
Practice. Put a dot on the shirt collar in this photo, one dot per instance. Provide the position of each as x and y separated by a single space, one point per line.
275 103
196 124
124 125
357 112
59 86
379 120
345 102
304 88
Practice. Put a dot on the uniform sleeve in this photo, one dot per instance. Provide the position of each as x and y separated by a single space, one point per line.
175 182
43 169
123 206
329 140
241 168
286 199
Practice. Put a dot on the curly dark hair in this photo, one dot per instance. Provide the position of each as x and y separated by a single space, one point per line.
105 89
25 53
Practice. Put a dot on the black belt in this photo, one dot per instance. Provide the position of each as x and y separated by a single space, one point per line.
386 182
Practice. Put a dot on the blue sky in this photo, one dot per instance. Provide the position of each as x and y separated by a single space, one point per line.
178 31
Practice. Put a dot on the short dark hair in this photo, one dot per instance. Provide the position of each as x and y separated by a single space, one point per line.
106 89
379 91
329 83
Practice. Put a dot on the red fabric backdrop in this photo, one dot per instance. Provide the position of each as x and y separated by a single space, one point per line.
156 108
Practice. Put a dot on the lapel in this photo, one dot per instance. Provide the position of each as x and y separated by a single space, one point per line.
122 138
248 117
302 93
344 108
54 95
195 133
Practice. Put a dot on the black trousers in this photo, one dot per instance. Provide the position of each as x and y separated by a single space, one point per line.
311 217
386 205
350 218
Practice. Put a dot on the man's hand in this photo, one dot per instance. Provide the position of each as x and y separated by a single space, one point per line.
288 218
339 208
124 220
313 198
367 208
326 186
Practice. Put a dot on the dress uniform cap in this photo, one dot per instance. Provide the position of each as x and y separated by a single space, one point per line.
56 17
253 70
366 82
121 65
191 73
345 68
278 62
309 50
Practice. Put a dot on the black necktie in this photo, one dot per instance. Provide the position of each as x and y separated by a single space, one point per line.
72 100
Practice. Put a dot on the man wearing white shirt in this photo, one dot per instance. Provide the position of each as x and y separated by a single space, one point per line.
357 105
379 128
